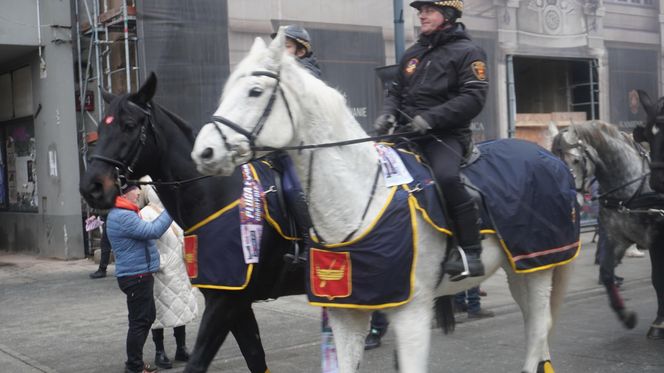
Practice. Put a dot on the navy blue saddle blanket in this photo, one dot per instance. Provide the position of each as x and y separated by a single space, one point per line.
213 247
516 180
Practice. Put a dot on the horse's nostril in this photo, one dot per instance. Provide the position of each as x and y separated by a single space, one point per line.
207 153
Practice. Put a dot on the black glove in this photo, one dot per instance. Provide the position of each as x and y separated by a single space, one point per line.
384 122
419 124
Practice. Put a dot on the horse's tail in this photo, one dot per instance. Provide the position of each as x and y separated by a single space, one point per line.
444 312
561 277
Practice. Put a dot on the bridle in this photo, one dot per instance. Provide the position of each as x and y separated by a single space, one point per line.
260 124
124 168
565 147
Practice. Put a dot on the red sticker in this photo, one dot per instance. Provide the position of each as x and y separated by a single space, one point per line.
109 119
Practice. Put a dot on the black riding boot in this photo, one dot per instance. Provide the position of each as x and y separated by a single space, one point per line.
467 220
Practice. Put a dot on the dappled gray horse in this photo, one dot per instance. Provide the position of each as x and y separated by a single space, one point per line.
629 209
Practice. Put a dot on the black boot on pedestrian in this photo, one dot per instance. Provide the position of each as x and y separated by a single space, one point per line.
373 339
181 353
162 361
98 274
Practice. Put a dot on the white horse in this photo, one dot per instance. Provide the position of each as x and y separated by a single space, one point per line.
270 101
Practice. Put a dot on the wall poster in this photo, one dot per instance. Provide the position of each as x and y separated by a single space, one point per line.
20 187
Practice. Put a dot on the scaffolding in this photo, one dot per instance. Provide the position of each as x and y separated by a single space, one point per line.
107 59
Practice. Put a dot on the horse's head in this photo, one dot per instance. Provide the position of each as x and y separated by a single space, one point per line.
122 141
254 110
653 133
580 157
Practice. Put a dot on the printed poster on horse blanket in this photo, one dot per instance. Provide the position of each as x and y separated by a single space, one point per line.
514 178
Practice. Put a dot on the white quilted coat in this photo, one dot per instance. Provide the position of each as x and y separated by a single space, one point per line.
174 296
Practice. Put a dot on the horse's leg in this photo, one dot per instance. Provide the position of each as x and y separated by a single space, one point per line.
656 330
221 311
538 320
350 328
561 278
245 331
607 275
412 324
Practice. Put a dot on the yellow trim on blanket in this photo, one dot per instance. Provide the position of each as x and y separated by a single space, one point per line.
213 216
371 226
269 218
413 222
540 268
221 287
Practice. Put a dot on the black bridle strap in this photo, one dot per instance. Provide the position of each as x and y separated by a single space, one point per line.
136 148
407 135
251 136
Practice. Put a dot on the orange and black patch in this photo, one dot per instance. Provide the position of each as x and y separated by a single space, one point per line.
479 69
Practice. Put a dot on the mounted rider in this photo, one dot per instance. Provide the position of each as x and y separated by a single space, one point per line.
298 45
440 86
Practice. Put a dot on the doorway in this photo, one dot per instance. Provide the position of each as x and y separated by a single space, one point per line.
544 90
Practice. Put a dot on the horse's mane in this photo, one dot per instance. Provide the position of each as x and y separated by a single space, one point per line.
599 134
184 127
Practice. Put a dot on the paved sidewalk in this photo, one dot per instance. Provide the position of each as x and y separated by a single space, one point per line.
55 319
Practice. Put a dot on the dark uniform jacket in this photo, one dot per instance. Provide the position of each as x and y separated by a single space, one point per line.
443 79
310 63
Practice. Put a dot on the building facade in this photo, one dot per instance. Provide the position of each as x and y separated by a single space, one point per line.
40 207
549 60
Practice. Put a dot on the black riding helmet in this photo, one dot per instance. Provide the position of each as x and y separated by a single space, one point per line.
298 34
451 9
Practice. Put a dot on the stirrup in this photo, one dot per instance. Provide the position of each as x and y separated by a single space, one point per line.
466 270
298 257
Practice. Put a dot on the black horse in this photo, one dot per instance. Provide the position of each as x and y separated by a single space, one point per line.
628 207
652 134
139 137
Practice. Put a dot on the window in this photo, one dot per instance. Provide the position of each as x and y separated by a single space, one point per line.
18 171
648 3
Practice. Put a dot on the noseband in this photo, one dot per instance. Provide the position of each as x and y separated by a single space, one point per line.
136 149
251 136
564 148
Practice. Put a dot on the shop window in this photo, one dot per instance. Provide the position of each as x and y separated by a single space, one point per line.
19 180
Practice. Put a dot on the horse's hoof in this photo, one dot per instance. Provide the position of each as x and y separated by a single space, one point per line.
545 367
656 332
629 319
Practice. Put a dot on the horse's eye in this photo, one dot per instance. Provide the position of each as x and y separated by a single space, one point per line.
255 92
576 161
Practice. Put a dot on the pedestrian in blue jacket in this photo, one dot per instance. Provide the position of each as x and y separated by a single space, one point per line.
136 259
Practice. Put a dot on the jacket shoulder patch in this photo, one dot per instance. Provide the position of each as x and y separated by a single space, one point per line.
479 70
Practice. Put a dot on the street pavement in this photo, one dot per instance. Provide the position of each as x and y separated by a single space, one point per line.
53 318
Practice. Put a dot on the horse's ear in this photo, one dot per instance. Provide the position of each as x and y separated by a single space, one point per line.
647 103
107 96
553 129
277 46
259 45
147 91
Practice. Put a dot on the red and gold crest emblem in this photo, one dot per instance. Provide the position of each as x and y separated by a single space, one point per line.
411 66
191 255
479 70
330 274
